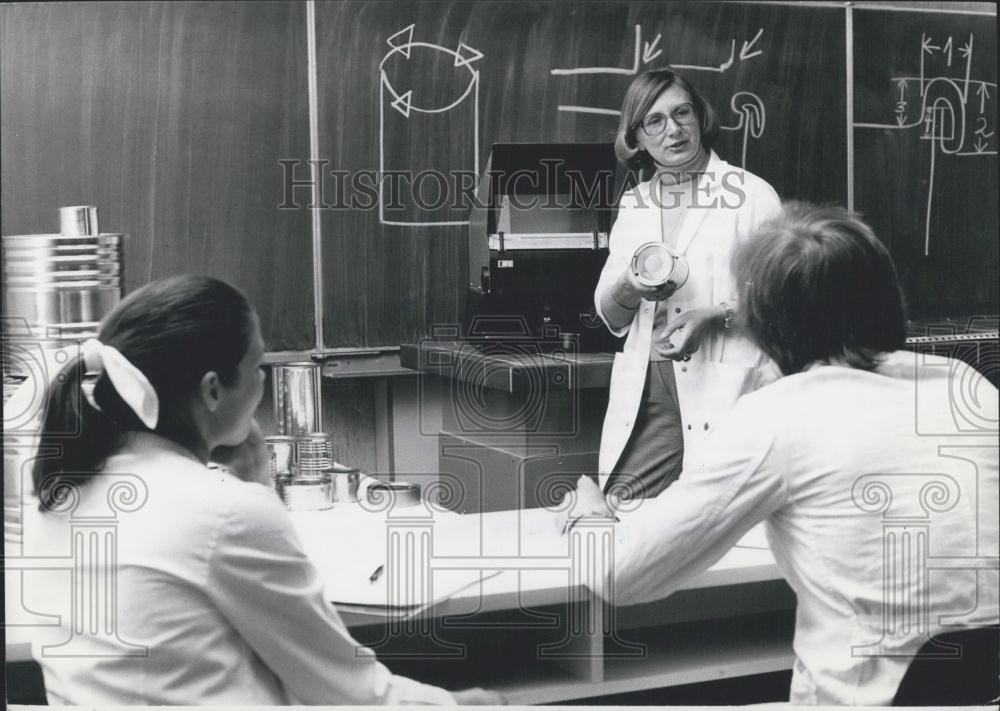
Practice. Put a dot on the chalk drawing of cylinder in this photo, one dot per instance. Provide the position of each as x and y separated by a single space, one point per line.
428 132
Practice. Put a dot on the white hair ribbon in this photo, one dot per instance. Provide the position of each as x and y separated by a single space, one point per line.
133 387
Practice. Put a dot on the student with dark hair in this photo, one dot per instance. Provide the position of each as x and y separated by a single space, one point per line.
200 592
685 360
867 463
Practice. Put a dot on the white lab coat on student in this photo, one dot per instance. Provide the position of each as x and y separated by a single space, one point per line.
880 496
728 204
193 589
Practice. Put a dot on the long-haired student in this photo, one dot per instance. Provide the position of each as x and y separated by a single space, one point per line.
206 594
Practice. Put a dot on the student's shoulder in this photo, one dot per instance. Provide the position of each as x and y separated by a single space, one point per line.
252 507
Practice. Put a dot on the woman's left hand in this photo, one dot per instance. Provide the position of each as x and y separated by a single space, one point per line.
247 461
685 334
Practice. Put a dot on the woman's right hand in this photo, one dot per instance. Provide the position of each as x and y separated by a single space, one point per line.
629 290
247 461
479 697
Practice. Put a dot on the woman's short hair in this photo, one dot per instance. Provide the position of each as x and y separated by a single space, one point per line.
816 285
642 93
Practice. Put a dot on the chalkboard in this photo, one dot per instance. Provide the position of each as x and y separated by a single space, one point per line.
426 88
171 118
925 157
179 121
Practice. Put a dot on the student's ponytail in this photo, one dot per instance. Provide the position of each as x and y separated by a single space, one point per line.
76 437
163 337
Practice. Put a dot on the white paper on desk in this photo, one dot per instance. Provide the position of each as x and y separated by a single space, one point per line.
347 563
406 589
756 537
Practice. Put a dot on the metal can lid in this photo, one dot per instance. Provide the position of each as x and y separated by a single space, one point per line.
309 480
342 469
399 486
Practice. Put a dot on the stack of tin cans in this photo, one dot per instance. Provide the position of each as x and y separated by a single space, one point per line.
304 473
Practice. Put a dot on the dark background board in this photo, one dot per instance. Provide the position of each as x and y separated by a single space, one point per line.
957 278
171 118
386 284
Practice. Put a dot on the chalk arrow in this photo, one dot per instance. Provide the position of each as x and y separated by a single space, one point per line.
402 104
466 55
745 52
900 119
980 145
648 53
925 43
902 89
984 94
732 53
402 40
966 49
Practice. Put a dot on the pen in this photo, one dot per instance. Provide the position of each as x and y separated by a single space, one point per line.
570 522
376 575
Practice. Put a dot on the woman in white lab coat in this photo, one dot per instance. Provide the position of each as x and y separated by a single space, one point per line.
191 586
684 362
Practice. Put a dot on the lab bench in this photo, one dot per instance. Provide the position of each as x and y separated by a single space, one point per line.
531 628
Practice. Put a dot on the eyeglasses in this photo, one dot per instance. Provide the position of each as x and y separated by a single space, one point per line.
656 124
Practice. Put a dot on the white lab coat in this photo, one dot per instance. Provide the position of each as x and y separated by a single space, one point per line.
200 593
729 203
880 496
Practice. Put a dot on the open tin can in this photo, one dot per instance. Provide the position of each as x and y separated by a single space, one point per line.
654 265
307 493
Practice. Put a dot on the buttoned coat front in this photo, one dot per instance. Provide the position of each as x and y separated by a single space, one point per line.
728 204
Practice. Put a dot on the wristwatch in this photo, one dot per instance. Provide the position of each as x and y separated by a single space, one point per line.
727 309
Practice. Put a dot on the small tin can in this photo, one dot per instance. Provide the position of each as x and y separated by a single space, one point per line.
283 449
307 493
345 484
314 453
654 265
402 493
296 395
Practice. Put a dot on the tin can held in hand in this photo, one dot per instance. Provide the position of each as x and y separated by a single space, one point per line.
654 265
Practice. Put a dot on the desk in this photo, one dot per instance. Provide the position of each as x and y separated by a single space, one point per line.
534 631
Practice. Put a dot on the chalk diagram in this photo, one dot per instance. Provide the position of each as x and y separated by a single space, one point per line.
747 106
949 107
405 103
